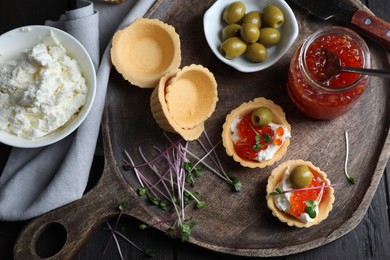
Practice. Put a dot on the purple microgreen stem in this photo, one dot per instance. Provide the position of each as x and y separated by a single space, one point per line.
208 166
114 232
350 178
158 157
131 163
113 235
121 208
232 179
216 161
279 191
146 252
170 184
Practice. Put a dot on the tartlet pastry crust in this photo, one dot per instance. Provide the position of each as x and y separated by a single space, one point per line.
146 50
324 207
279 117
167 108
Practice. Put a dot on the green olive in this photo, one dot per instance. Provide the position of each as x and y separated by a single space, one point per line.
261 116
250 32
269 36
233 47
231 30
252 17
301 176
273 16
234 12
256 52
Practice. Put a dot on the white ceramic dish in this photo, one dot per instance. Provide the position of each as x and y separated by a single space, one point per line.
213 24
14 42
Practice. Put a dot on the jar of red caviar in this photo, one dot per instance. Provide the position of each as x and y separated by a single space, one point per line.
328 99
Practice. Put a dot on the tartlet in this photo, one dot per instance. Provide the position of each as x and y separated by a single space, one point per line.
324 207
146 50
279 117
184 99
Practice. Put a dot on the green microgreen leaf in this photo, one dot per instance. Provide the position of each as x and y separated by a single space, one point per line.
311 208
143 226
186 229
141 191
257 138
277 191
235 182
257 145
237 185
164 205
352 180
153 200
191 168
201 204
267 138
124 205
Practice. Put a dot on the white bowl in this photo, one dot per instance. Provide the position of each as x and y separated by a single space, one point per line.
14 42
213 24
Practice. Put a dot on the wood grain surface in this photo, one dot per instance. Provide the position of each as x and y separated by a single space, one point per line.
251 225
322 142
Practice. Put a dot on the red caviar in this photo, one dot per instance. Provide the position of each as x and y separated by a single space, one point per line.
298 198
254 139
327 100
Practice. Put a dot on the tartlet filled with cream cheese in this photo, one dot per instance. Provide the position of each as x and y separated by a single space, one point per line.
256 134
184 99
145 51
299 194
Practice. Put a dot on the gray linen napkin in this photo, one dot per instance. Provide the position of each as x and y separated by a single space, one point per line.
37 180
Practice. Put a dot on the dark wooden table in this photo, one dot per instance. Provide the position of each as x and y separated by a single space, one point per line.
369 240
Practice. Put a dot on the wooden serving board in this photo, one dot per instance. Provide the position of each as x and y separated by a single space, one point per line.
232 222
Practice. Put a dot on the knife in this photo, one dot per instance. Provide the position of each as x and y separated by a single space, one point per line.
356 18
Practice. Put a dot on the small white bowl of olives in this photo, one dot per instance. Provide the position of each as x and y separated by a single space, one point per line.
250 35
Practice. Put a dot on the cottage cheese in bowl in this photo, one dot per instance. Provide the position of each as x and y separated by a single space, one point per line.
47 86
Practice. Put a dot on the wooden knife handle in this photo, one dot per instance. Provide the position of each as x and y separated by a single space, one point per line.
372 26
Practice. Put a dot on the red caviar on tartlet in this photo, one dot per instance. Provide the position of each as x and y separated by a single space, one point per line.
256 134
299 194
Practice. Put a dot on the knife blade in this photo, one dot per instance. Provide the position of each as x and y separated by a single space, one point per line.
356 18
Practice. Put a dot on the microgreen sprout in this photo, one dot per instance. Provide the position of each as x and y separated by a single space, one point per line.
279 191
311 208
167 176
257 146
166 187
350 178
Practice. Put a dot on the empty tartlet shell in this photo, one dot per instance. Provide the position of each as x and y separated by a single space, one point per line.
191 96
324 207
279 117
163 114
146 50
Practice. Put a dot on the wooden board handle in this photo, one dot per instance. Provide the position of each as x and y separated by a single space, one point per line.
79 218
372 26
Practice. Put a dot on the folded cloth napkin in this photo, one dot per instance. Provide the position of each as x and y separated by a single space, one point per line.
35 181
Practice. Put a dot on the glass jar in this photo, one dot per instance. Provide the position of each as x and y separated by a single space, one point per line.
328 99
